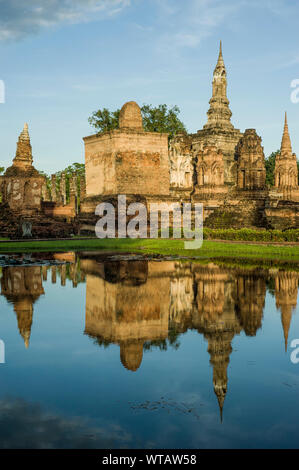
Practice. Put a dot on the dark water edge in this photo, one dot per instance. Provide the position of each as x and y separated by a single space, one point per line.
122 351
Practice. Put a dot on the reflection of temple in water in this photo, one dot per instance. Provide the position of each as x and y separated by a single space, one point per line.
131 303
22 286
286 291
141 304
250 301
126 304
215 317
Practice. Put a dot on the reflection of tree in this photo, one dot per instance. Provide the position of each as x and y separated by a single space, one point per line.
172 341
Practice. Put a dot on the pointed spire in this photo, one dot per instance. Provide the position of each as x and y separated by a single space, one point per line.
220 398
26 337
219 114
23 308
25 134
286 317
220 62
286 146
23 156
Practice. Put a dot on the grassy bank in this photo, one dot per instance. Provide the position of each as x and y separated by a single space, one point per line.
247 234
210 249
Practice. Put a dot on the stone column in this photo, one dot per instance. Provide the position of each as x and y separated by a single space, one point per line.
45 272
45 192
63 189
53 270
74 274
74 192
63 275
82 188
53 188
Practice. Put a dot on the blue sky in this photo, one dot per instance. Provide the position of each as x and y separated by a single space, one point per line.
63 59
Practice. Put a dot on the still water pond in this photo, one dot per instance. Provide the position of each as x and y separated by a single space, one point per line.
152 354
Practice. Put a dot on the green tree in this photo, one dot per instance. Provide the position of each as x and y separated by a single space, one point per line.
104 120
162 119
155 119
270 167
77 169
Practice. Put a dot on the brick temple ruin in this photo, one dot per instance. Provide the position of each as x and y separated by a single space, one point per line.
218 166
26 197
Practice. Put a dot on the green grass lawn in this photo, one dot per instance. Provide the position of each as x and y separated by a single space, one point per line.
209 250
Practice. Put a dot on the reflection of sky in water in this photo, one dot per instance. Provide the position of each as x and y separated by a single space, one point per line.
70 389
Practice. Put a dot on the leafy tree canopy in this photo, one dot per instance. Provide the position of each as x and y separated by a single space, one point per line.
104 120
74 169
270 167
155 119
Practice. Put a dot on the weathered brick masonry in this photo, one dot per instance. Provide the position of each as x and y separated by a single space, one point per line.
219 166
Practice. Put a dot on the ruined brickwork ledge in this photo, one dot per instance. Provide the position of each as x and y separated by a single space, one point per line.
219 166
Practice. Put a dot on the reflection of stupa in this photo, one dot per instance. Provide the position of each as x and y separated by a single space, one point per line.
219 348
212 286
131 303
24 312
250 302
286 291
216 319
127 303
131 353
22 286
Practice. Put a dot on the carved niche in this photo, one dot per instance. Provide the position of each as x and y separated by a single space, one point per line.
181 162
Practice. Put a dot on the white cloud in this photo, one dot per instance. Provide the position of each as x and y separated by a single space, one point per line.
195 20
188 23
17 22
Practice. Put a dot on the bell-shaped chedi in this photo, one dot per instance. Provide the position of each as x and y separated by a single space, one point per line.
251 161
127 160
286 170
22 184
130 116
